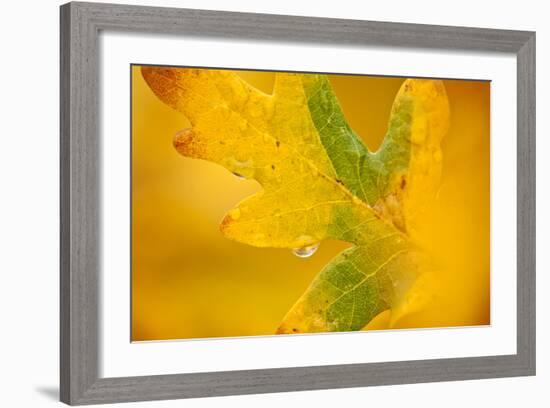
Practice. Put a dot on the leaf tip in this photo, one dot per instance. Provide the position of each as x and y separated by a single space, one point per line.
182 140
157 77
187 143
228 221
286 329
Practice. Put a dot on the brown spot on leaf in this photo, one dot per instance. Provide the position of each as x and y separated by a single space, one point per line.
188 143
183 139
226 222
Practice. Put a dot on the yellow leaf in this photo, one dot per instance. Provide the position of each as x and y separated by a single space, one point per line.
319 181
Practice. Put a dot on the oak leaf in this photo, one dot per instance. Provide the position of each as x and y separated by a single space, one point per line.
319 181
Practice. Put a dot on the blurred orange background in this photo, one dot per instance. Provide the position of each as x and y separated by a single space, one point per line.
189 281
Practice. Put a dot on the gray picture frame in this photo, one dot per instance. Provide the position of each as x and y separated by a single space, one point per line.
81 24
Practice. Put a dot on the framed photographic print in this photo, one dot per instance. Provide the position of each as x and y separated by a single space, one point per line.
261 203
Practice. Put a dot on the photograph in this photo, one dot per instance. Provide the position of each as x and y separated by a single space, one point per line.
269 203
274 204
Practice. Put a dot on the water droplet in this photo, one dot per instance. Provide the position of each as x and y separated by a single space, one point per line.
306 251
239 176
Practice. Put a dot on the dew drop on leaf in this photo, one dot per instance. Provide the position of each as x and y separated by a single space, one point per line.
306 251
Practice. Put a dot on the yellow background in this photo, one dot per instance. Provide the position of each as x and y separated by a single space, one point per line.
188 281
